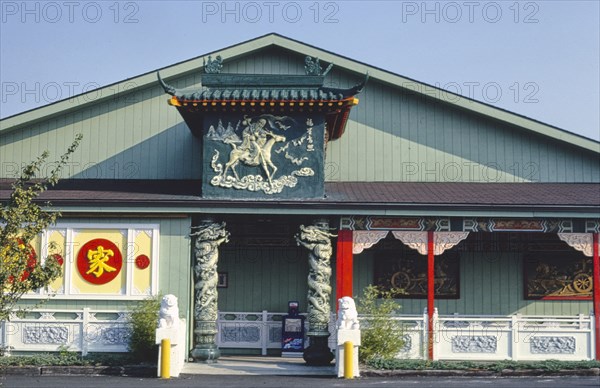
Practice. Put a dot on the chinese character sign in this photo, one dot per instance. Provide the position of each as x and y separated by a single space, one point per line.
99 261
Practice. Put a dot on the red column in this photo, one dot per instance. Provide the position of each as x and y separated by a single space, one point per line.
343 265
430 292
596 285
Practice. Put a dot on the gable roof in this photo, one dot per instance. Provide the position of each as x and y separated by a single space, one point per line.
245 48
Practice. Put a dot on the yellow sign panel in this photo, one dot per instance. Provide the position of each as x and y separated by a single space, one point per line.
96 263
57 245
142 270
99 262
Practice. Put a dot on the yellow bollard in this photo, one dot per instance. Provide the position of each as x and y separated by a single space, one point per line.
165 358
348 360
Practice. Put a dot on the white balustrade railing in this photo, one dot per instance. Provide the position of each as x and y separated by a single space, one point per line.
516 337
82 330
456 337
249 330
261 330
414 336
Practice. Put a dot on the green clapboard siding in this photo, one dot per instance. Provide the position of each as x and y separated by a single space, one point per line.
392 135
263 279
490 284
396 136
132 136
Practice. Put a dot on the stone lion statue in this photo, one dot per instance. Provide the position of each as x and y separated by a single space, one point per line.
347 315
169 312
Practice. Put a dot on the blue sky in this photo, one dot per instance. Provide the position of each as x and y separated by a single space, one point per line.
540 59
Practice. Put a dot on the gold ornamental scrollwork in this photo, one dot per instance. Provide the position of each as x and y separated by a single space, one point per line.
556 276
407 277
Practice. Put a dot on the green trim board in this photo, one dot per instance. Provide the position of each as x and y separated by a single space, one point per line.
306 210
248 47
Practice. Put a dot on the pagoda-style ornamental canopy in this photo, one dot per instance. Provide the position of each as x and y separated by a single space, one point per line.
264 135
265 93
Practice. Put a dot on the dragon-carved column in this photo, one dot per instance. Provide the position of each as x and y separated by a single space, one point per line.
207 238
317 240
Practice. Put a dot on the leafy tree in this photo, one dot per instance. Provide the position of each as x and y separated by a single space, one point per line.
21 220
381 336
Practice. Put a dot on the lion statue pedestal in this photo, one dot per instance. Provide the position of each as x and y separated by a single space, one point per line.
348 330
173 328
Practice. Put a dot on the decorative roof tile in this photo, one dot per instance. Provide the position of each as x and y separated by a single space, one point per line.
263 87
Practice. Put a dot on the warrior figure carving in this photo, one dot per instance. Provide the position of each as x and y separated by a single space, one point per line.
318 242
255 149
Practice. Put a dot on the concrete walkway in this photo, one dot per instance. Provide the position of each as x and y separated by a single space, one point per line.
254 366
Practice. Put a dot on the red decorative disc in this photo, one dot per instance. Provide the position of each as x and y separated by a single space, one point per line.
99 261
32 254
31 261
59 258
142 261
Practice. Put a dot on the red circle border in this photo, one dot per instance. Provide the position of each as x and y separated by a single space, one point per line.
142 262
115 261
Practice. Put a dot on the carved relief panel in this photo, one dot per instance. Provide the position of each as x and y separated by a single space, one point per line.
263 156
408 272
557 275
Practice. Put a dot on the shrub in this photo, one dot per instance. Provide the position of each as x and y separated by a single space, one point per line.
66 358
143 320
495 366
381 336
